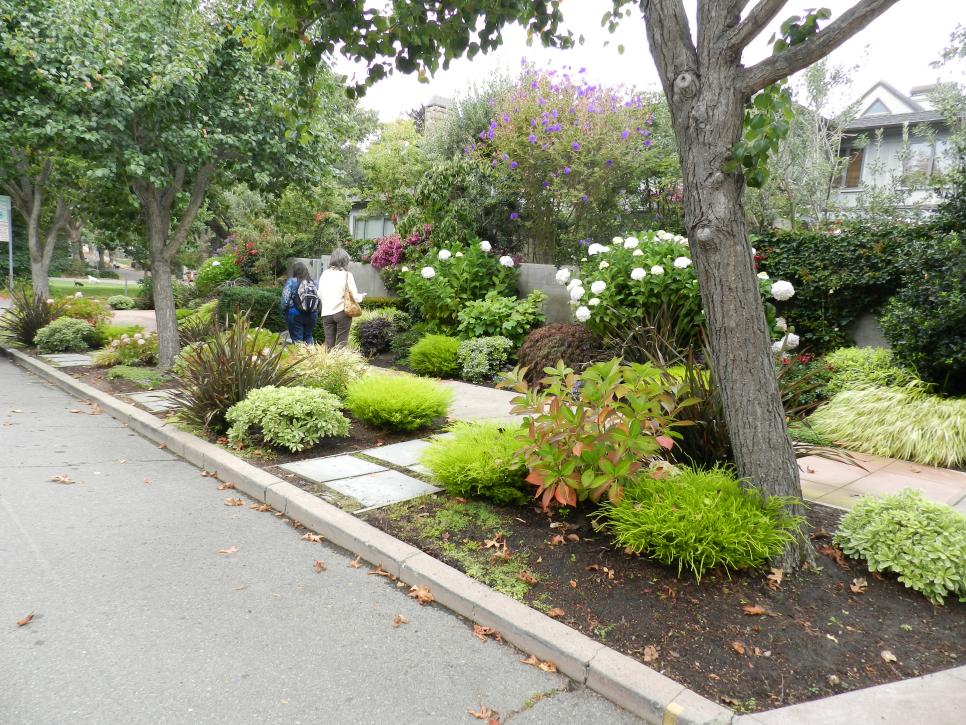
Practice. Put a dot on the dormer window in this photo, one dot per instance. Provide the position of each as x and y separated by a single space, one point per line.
877 107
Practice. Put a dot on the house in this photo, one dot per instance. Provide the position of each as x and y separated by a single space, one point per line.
365 224
895 141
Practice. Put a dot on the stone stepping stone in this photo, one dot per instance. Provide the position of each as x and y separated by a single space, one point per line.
323 470
405 454
68 360
157 401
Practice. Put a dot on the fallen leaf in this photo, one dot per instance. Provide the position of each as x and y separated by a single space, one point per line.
738 647
314 538
234 502
421 594
123 460
229 550
26 620
226 486
162 446
887 656
650 653
63 478
573 583
775 578
379 571
754 610
319 566
398 620
16 410
356 563
557 539
72 410
859 585
527 577
730 701
260 507
835 554
481 633
242 588
495 542
96 409
556 613
147 481
209 474
485 713
544 665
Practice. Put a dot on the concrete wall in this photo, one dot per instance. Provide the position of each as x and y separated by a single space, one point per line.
367 278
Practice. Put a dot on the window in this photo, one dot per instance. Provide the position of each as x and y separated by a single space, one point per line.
853 171
371 227
919 159
877 107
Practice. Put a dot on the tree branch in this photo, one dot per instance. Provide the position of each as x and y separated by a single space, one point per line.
756 21
198 190
799 56
669 35
167 199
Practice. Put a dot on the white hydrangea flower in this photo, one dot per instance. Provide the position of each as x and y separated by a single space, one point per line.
782 290
138 335
631 243
603 265
663 235
776 347
682 262
788 342
681 240
506 261
763 275
637 253
458 254
593 301
617 240
50 302
576 293
781 324
562 276
216 263
598 287
638 273
141 341
444 254
753 251
575 282
254 358
657 269
427 272
485 246
582 314
595 249
404 268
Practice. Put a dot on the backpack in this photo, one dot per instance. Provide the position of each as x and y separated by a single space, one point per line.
306 297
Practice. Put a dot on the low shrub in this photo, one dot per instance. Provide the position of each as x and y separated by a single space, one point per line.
106 334
403 342
698 520
144 378
183 294
478 459
295 418
261 303
121 302
65 334
859 367
905 423
203 324
400 320
435 356
220 372
482 358
84 308
379 303
214 272
330 370
27 315
397 402
136 349
107 274
543 348
924 543
375 335
502 316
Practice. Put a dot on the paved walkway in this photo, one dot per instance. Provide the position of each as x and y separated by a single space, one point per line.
138 617
144 318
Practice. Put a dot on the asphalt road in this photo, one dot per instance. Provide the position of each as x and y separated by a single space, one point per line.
137 617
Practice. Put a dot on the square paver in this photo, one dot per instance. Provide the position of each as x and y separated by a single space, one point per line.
399 454
885 483
825 470
157 401
917 472
324 470
68 360
812 490
380 489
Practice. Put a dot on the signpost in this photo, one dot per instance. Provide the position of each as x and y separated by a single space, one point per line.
6 233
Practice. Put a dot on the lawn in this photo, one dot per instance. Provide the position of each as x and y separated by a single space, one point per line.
100 290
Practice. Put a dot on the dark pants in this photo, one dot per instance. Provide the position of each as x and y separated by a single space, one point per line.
301 325
336 329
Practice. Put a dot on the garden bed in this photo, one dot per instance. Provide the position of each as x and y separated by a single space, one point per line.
814 636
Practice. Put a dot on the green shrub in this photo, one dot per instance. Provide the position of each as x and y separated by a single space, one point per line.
926 321
65 334
573 344
403 342
860 367
482 358
203 324
295 418
435 356
397 402
136 349
84 308
905 423
478 459
260 302
121 302
400 320
215 271
378 303
27 315
331 370
182 293
217 373
107 274
502 316
106 334
921 541
145 378
699 520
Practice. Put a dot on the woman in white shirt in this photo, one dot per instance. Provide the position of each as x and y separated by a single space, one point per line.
332 286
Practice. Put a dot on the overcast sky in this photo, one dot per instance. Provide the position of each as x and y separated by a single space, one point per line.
898 47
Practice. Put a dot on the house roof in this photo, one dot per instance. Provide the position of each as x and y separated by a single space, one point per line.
885 120
902 97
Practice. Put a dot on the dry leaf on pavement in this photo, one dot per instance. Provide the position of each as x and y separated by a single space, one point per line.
398 620
63 478
319 566
422 594
481 633
545 665
754 610
738 647
379 571
234 502
859 585
229 550
26 620
262 507
650 653
356 563
96 409
887 656
225 486
491 716
314 538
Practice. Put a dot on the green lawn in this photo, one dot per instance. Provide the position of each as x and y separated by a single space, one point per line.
101 290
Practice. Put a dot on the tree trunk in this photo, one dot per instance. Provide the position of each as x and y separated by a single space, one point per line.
161 289
103 261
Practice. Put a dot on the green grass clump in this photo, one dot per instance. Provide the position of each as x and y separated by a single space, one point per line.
145 378
921 541
330 370
397 402
860 367
295 418
436 356
905 423
479 459
698 520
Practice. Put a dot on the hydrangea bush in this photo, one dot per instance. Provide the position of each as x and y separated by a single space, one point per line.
136 349
504 316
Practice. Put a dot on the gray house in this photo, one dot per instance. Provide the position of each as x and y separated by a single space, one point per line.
895 136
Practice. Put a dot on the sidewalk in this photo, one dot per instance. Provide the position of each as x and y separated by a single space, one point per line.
138 617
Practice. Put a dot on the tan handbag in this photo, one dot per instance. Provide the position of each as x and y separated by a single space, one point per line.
350 306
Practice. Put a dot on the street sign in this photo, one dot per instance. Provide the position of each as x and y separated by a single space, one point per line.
6 233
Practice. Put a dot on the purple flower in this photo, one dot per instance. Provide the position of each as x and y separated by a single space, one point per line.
575 146
546 184
514 216
583 197
625 133
532 138
513 164
554 114
566 170
506 157
533 85
482 134
493 163
490 134
492 124
609 162
582 70
506 118
648 142
542 101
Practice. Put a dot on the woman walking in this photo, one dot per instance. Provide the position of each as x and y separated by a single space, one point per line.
300 305
339 299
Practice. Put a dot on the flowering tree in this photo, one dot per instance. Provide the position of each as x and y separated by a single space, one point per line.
579 155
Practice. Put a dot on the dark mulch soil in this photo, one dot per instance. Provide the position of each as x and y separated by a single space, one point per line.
815 637
97 377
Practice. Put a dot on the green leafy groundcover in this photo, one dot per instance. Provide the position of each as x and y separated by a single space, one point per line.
698 520
921 541
295 418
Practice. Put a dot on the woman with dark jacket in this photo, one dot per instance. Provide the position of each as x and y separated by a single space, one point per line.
300 304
